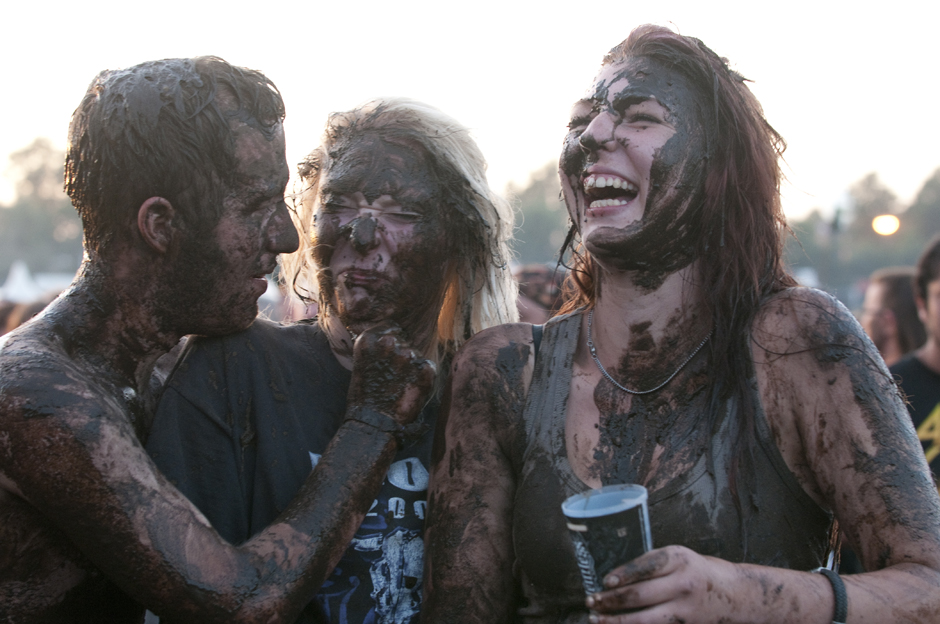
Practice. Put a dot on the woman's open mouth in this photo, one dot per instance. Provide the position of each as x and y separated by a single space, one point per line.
605 190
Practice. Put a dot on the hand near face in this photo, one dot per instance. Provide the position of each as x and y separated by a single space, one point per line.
388 375
671 584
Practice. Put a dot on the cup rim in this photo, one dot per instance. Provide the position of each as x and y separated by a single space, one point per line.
631 495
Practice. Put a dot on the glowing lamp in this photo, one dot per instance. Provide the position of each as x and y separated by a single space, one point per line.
886 225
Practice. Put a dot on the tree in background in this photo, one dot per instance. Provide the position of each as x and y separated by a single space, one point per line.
844 250
40 228
543 219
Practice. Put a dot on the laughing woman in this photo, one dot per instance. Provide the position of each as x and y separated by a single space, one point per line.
755 412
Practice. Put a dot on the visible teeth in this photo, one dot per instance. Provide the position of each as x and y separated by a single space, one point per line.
608 181
603 203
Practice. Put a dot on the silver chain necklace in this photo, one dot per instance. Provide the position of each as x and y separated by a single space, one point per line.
600 367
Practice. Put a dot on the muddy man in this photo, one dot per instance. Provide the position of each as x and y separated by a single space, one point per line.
177 168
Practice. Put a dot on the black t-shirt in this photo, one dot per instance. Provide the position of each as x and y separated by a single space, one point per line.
922 387
242 422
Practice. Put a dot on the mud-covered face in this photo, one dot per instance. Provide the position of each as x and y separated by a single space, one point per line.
929 310
220 275
873 312
379 236
633 164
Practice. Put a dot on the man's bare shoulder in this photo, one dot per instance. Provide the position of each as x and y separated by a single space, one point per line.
38 373
49 401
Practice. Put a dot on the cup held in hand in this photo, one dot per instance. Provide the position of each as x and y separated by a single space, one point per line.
608 528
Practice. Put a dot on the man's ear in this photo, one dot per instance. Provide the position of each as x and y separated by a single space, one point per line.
921 309
155 223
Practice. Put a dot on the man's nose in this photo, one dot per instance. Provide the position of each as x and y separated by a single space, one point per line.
282 235
363 234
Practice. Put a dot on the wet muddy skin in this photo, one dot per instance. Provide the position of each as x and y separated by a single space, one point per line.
130 524
662 241
401 256
495 397
886 456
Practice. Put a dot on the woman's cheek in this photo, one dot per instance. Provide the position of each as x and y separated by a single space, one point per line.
572 156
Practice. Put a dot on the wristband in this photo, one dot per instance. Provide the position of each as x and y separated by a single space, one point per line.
404 434
841 610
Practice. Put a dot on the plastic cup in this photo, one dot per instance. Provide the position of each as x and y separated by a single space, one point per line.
608 528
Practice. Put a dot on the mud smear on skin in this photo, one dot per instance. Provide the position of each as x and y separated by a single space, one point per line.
43 574
633 428
497 392
375 166
903 490
662 241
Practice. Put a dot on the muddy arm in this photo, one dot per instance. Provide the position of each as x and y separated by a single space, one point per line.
468 539
76 459
844 431
841 428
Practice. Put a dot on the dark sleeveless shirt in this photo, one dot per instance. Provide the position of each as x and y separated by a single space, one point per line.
774 522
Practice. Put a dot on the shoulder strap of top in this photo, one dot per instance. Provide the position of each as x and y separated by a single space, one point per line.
536 338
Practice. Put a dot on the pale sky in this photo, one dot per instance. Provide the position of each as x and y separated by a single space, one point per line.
838 80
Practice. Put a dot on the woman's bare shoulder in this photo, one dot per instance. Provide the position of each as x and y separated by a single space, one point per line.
799 320
485 348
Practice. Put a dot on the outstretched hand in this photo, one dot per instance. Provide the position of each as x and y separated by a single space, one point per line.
671 584
388 375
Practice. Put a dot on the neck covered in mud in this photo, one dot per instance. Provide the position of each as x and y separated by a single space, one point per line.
107 321
642 332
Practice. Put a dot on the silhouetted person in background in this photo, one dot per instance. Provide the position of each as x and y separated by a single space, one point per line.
540 295
919 373
889 313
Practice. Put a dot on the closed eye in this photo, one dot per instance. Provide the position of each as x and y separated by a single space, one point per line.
400 218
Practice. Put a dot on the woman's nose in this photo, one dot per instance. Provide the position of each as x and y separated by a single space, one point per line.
599 133
362 234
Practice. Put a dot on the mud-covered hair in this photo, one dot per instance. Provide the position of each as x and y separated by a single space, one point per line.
899 298
928 267
480 292
161 129
739 250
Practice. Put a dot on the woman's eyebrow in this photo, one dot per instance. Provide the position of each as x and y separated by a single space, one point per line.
626 100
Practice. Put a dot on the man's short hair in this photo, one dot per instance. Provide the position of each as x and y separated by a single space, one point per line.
928 267
899 298
161 129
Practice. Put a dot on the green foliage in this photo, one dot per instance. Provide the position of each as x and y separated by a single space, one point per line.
40 227
845 250
542 220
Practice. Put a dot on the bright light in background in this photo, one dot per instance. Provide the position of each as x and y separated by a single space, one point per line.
886 225
508 70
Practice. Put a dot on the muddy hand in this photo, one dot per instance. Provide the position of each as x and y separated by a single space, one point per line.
389 376
671 584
